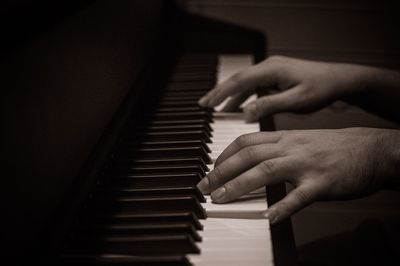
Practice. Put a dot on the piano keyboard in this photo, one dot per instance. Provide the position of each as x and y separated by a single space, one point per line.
147 209
229 239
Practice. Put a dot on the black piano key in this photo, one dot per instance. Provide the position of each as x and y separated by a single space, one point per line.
187 88
185 65
182 87
165 144
176 136
194 71
199 94
146 245
150 217
150 204
121 260
187 169
157 153
185 78
161 162
179 122
180 98
179 109
204 84
147 202
169 103
192 75
140 230
153 192
190 72
190 58
175 128
151 181
182 109
183 115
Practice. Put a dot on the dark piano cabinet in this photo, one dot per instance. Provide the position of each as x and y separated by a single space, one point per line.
69 87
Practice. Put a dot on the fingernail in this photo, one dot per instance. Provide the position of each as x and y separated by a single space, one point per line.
219 194
204 185
203 101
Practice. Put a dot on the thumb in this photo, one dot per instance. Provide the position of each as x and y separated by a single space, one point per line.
267 105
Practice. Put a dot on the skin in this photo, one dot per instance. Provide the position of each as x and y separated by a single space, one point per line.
320 164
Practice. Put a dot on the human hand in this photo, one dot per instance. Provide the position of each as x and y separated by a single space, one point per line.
302 86
320 164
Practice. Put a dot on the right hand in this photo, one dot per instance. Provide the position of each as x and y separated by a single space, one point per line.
302 86
329 164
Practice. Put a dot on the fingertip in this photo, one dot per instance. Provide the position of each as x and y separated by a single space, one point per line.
219 195
204 185
250 113
203 101
218 161
213 102
228 108
272 216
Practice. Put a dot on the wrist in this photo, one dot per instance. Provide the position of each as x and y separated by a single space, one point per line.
374 79
390 161
354 79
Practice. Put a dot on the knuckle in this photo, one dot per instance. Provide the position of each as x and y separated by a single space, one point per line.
242 141
235 188
218 161
301 195
215 177
267 167
255 107
238 78
247 154
298 138
288 137
281 134
263 105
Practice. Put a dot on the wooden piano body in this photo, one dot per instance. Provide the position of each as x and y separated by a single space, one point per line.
71 76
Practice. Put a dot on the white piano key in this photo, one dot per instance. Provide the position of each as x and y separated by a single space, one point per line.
221 106
236 233
234 127
249 232
216 223
230 65
246 203
234 242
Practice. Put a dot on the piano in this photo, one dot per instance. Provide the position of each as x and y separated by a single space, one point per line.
103 142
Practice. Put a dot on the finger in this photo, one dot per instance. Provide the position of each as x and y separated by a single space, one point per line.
243 81
288 100
267 172
293 202
248 140
235 101
237 164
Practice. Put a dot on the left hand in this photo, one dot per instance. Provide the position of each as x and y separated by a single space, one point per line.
321 164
